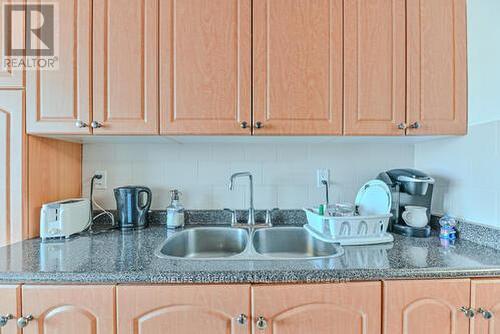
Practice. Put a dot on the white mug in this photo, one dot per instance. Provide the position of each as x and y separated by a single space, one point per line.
415 216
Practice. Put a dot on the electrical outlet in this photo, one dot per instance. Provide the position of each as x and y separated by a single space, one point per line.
101 183
323 174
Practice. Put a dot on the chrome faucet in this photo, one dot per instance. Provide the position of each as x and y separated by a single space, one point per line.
251 210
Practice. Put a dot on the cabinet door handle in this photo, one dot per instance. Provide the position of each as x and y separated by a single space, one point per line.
486 314
24 321
259 125
243 125
242 319
261 323
4 319
80 124
402 126
469 312
95 125
415 125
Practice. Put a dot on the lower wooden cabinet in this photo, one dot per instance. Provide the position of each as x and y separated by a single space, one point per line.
485 300
207 309
10 308
349 308
69 309
426 306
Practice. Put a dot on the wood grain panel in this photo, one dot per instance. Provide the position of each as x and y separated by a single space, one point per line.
374 67
61 309
426 306
126 66
206 309
10 77
485 294
12 153
437 66
297 53
56 99
54 173
351 308
205 50
10 303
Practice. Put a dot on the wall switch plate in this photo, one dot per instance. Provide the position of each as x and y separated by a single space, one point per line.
101 183
322 174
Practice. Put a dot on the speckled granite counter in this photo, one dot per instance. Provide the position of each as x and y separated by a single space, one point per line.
115 257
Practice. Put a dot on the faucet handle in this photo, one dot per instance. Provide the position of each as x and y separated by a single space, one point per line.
233 215
269 213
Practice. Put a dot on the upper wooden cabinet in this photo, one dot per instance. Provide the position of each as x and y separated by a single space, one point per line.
10 304
57 99
426 307
436 67
485 299
69 309
297 57
374 67
12 154
125 58
352 308
205 56
183 309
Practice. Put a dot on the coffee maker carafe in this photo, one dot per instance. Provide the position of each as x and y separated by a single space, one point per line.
409 187
132 207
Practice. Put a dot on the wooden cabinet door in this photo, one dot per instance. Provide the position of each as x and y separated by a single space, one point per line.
12 153
182 309
205 51
351 308
485 294
297 55
9 76
71 309
437 67
125 66
57 99
374 67
10 303
426 306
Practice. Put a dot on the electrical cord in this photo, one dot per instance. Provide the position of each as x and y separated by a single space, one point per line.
93 202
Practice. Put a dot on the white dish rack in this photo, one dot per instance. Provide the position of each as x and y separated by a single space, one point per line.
351 230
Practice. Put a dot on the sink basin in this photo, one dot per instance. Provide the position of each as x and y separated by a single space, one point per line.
292 243
205 243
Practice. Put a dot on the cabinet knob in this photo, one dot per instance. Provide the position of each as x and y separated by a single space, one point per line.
261 323
486 314
415 125
244 125
469 312
24 321
259 125
402 126
80 124
4 319
95 125
242 319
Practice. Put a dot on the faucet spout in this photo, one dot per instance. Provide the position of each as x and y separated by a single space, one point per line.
251 210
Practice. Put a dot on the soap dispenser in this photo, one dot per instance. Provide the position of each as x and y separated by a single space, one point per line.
175 211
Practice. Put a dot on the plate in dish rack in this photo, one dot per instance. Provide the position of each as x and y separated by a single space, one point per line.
374 198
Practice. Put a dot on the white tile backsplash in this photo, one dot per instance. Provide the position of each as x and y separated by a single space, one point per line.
467 172
284 173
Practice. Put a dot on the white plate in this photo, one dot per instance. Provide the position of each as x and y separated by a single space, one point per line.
374 198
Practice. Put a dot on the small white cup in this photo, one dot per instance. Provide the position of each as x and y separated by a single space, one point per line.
415 216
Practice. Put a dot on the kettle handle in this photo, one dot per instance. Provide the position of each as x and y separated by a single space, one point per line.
150 198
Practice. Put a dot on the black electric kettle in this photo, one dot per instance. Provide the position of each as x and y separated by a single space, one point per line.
132 207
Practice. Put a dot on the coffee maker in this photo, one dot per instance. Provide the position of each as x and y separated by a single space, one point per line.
409 187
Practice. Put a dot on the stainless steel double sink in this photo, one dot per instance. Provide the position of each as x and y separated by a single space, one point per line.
230 243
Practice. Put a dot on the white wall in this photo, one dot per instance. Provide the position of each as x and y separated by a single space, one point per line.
483 60
285 174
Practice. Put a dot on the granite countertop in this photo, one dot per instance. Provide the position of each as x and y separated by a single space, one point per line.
128 257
